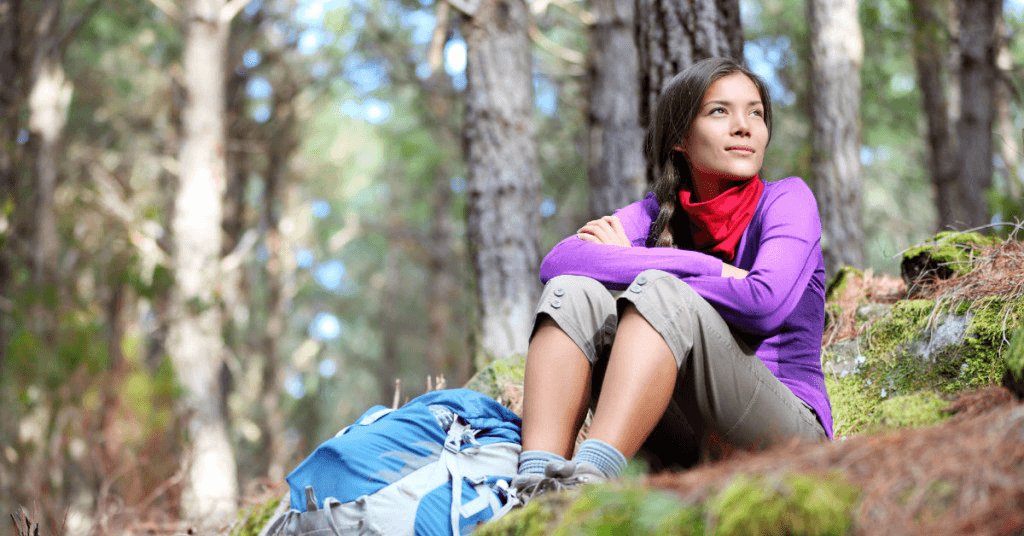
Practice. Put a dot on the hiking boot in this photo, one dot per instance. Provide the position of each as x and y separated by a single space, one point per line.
585 473
558 476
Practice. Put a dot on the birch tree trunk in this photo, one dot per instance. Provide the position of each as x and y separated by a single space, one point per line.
837 51
1009 136
48 99
194 343
672 35
978 47
503 178
615 160
929 32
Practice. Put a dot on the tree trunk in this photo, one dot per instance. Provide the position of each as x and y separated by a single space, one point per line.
195 344
282 144
1009 136
673 35
615 160
978 49
10 104
837 51
929 43
389 327
503 178
48 100
442 289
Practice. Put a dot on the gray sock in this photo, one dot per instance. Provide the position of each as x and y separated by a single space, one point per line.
532 462
603 456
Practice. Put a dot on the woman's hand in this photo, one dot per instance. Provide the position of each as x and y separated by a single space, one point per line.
607 230
729 270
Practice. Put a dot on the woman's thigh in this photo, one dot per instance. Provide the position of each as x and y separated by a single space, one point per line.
724 396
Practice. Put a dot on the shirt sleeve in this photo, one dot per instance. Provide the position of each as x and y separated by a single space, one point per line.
787 256
616 266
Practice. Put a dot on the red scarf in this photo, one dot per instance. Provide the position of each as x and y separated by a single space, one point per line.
719 223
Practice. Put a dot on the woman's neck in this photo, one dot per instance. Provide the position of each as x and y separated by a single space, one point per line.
706 188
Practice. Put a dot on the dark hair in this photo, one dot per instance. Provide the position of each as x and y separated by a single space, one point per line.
674 113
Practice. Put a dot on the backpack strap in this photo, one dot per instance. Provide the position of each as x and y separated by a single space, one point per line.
452 445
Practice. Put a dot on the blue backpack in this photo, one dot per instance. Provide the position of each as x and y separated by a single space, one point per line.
438 465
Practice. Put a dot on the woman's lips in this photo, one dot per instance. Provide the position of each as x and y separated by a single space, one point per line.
740 148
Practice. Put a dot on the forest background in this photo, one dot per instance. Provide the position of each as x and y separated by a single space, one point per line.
344 249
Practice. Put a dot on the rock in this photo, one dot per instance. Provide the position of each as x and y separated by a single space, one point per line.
943 256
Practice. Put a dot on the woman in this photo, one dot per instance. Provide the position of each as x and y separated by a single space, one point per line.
715 342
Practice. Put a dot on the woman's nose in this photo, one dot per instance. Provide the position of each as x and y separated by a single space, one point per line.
740 126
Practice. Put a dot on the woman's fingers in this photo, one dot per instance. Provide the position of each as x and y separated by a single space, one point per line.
606 230
595 231
620 232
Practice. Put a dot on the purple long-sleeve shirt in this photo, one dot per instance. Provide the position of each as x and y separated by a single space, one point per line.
780 304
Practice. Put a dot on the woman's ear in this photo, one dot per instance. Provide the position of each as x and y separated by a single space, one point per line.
679 147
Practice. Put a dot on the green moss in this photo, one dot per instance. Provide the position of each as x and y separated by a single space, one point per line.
535 519
629 510
995 318
912 411
793 504
255 518
853 407
906 320
496 379
952 249
1014 359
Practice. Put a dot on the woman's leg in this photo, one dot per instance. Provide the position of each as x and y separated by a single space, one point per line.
576 319
556 389
723 392
637 385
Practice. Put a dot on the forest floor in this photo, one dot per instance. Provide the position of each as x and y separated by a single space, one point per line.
964 475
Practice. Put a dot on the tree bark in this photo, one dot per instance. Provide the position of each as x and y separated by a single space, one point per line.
837 51
48 99
978 47
503 177
442 289
615 161
194 343
1009 136
282 144
929 35
672 35
10 104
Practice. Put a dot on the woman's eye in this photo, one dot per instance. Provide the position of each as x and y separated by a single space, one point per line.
758 113
716 111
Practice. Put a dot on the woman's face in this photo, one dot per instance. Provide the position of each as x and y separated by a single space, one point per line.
728 136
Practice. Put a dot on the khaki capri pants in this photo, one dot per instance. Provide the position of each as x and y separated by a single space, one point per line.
724 398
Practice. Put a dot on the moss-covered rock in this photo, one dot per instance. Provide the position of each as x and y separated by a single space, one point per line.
1013 378
839 281
748 504
502 380
946 254
254 520
899 372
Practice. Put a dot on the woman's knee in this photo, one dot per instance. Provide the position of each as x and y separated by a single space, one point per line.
583 308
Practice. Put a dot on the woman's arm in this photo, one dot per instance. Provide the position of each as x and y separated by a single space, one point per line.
788 254
616 266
